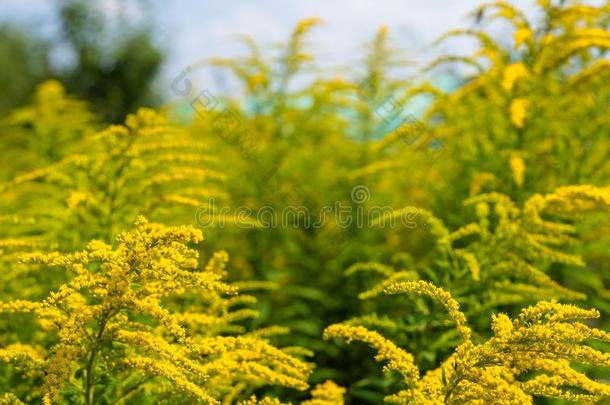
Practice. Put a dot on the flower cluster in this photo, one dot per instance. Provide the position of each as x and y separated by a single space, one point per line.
121 318
530 356
508 250
146 165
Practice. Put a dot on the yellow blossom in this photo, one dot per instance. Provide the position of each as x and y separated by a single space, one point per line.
522 35
513 73
517 168
518 111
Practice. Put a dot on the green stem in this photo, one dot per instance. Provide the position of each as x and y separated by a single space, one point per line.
131 390
89 382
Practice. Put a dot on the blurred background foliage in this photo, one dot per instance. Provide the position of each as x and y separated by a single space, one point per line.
113 61
529 114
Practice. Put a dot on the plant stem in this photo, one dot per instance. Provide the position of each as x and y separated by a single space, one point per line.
89 391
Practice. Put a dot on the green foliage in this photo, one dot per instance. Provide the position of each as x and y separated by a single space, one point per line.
25 65
111 62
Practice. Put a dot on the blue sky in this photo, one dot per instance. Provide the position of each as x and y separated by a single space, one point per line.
194 30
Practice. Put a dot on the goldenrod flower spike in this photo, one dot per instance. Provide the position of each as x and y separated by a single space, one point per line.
543 340
440 296
397 359
512 74
327 393
569 201
145 165
519 110
264 401
168 371
306 24
120 314
380 287
372 267
517 168
10 399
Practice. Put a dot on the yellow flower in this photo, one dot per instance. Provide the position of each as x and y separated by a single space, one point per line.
513 73
439 295
10 399
517 168
518 111
306 24
522 35
542 341
398 359
327 393
120 307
